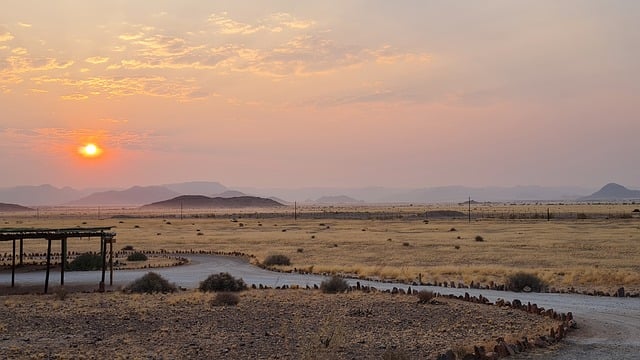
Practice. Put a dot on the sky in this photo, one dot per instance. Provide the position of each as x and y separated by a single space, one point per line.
332 93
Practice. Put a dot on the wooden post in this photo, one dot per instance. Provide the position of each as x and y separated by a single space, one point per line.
46 279
103 250
21 251
110 261
63 259
295 210
13 265
548 215
469 208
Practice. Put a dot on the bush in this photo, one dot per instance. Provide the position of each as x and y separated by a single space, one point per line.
277 259
425 296
225 298
150 283
334 285
581 216
479 238
526 282
127 248
137 256
222 282
85 262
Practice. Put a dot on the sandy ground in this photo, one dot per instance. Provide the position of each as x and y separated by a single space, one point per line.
266 324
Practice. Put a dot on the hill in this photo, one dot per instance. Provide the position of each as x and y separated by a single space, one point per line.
136 195
13 208
39 195
612 192
205 202
230 194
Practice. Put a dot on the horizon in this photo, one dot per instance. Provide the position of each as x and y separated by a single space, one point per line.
283 94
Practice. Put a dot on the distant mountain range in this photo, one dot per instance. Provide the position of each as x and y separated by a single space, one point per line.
612 192
205 202
47 195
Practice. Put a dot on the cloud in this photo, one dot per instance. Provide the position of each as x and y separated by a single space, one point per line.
5 35
62 138
274 23
24 25
74 97
96 60
126 86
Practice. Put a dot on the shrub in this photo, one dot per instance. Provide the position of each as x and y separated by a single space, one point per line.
127 248
222 282
581 216
277 259
406 244
225 298
522 281
334 285
479 238
636 210
61 293
453 229
85 262
150 283
425 296
137 256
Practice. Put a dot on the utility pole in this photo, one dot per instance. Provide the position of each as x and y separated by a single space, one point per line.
469 209
295 211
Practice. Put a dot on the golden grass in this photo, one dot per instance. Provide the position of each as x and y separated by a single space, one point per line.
566 252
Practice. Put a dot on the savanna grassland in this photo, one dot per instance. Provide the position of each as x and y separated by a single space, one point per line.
582 246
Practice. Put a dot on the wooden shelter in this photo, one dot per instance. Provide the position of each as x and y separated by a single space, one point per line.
103 233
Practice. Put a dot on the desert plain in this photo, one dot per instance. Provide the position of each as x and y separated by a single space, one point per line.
572 248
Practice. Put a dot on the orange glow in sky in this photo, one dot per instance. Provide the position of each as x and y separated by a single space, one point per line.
90 150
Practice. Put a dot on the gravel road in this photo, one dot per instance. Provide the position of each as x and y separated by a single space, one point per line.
609 328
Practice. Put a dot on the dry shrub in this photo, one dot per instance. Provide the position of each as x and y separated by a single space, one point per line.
479 238
225 299
85 262
522 281
277 259
150 283
137 256
425 296
222 282
334 285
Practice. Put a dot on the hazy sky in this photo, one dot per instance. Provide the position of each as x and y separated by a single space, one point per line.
323 93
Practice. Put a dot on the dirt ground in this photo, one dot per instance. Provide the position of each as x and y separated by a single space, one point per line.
266 324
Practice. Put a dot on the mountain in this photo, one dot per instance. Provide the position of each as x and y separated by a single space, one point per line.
338 200
205 202
230 194
13 208
442 194
136 195
197 187
39 195
612 192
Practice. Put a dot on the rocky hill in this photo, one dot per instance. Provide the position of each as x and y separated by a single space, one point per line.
613 192
205 202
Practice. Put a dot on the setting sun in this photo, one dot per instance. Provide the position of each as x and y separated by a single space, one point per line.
90 150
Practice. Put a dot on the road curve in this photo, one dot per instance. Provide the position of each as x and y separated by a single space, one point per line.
609 327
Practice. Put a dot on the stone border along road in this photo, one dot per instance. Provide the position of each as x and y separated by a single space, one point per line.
608 327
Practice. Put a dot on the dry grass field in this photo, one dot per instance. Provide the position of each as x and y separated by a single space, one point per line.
583 246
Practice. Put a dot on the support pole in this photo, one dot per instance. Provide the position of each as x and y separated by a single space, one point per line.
13 265
63 259
46 279
110 261
103 251
21 251
469 208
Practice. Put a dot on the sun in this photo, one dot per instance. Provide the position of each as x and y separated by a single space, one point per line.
90 150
